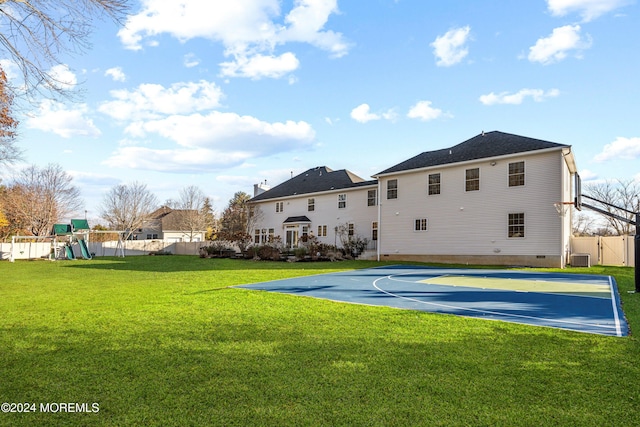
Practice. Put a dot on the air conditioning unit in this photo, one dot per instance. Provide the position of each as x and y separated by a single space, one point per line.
580 260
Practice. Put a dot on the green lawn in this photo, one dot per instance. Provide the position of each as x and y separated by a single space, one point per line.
164 341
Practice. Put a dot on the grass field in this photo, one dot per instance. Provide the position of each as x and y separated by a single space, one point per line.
164 341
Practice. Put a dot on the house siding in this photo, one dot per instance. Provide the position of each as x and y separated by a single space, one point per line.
326 212
463 224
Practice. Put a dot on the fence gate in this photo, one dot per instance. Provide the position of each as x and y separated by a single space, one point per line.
610 250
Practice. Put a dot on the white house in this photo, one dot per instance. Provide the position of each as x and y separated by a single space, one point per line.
487 200
318 201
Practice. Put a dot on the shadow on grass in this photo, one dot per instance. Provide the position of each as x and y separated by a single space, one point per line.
176 263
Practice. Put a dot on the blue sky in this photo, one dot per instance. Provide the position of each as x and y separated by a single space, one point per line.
225 94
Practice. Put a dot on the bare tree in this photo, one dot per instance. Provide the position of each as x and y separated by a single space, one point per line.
126 207
190 215
35 33
38 198
622 193
583 224
255 216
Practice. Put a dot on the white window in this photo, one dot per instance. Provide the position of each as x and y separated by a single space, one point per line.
279 207
311 205
372 197
322 231
374 230
420 224
392 189
434 184
472 179
516 224
342 201
351 230
260 235
516 174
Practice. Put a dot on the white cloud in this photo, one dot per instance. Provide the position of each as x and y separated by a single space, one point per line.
190 60
63 76
116 74
193 136
179 160
245 28
153 100
215 140
588 9
621 148
56 118
258 66
556 47
538 95
227 130
306 21
451 48
424 111
93 179
362 114
588 175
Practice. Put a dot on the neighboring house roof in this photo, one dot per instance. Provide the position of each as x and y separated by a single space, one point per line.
314 180
484 145
169 219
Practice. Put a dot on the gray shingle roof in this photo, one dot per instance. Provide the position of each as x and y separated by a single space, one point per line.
484 145
312 181
293 219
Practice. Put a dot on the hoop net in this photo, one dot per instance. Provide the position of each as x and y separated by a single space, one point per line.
562 207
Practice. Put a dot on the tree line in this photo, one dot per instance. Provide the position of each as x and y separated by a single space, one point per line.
37 198
619 196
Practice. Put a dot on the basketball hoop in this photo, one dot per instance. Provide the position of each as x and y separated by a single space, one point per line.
562 207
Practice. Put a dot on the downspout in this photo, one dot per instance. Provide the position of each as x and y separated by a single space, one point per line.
379 222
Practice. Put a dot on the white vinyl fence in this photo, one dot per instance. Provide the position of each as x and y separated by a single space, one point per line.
613 250
33 250
144 247
25 250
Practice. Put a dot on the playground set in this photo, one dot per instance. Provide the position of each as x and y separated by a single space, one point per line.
67 241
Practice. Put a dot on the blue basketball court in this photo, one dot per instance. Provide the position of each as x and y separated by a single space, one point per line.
577 302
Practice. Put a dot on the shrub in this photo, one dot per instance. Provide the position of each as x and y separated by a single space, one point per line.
268 252
216 250
160 253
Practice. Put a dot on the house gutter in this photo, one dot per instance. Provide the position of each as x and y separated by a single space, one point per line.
480 160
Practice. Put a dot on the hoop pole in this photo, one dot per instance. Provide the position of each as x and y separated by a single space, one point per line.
636 241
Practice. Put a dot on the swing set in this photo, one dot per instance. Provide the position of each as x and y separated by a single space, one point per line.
66 241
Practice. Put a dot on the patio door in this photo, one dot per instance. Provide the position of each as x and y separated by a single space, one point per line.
291 237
